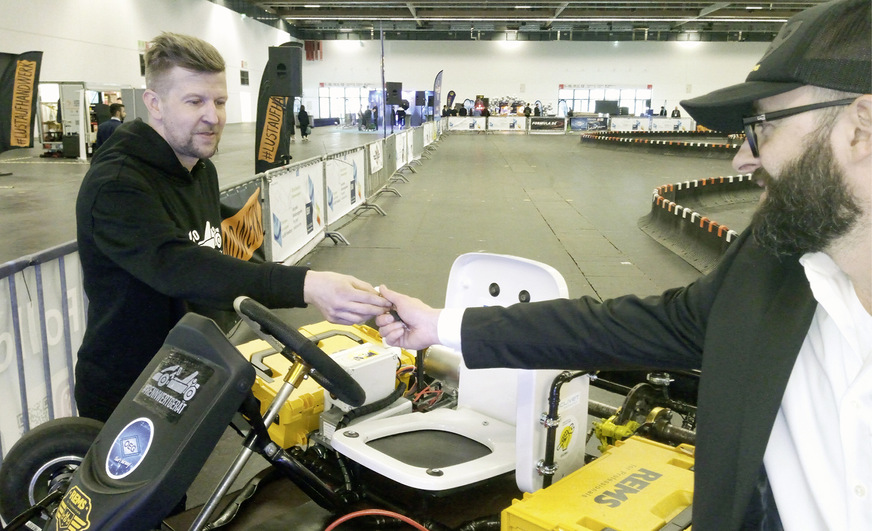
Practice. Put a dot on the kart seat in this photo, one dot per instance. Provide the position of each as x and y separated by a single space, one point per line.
495 427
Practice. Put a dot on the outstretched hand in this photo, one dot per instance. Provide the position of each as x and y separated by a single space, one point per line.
417 328
343 299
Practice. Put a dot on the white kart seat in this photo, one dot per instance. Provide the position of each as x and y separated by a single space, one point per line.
496 426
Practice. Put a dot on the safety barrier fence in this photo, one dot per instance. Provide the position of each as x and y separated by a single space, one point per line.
698 239
281 215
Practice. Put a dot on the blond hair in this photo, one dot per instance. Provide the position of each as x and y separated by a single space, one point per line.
169 50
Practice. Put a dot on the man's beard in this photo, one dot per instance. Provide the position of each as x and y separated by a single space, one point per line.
807 207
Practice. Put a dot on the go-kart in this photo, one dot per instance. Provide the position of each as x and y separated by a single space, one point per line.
131 473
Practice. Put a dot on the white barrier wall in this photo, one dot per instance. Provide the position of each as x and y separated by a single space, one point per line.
42 321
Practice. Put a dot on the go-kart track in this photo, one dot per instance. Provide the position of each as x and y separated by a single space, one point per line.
602 214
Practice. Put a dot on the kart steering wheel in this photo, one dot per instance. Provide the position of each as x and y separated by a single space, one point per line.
289 341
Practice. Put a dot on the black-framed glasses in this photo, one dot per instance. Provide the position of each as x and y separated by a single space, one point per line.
751 121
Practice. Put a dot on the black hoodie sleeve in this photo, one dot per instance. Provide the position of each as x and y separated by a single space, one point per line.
149 230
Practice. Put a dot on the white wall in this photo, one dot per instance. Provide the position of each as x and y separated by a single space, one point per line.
98 41
534 70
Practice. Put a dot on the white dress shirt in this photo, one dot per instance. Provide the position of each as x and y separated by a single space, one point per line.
819 457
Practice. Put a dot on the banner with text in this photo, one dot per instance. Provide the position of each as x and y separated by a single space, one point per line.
19 81
345 183
296 199
509 124
540 124
376 156
466 123
645 123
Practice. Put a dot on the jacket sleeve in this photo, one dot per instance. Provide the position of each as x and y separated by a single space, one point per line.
132 228
625 333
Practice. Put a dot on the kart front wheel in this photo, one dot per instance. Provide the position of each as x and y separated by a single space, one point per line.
43 457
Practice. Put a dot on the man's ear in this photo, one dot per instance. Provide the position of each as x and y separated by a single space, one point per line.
152 103
860 115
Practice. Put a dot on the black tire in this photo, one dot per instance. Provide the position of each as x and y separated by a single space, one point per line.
39 457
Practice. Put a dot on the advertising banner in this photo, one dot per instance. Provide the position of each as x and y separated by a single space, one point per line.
280 84
429 133
466 123
588 123
19 81
296 198
345 183
509 124
671 124
402 149
437 93
644 123
539 124
629 123
376 156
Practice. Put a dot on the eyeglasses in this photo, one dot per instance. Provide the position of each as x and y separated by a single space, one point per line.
751 121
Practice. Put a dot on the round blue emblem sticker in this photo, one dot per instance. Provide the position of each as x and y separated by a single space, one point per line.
129 448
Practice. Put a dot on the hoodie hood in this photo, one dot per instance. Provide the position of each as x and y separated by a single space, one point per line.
139 140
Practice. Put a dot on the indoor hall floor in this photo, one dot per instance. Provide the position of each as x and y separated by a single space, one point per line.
544 197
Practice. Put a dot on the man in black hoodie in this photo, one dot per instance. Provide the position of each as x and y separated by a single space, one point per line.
149 231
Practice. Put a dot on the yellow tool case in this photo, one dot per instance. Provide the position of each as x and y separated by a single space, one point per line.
299 416
637 485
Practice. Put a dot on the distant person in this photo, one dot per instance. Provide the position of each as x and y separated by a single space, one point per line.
375 117
105 130
462 111
401 117
445 111
675 112
537 111
663 110
527 110
289 118
303 121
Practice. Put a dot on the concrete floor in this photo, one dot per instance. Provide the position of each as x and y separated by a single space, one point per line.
544 197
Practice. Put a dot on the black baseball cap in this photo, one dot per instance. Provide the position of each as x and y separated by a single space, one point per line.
827 46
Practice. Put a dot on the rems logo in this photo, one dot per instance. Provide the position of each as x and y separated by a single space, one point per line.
631 484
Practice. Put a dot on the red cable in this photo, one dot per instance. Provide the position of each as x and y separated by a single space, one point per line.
376 512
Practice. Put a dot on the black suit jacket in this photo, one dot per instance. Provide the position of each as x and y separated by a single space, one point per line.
742 325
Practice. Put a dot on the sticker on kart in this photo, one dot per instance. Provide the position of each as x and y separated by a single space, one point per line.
174 384
129 448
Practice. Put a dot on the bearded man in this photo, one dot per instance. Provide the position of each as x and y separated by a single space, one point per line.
782 328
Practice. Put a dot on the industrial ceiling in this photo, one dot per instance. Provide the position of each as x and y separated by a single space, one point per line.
524 19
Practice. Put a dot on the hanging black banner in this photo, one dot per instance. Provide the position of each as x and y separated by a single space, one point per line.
19 81
282 81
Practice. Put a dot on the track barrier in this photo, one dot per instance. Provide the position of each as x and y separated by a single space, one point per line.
701 241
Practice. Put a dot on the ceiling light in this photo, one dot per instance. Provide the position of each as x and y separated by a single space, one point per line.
749 8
